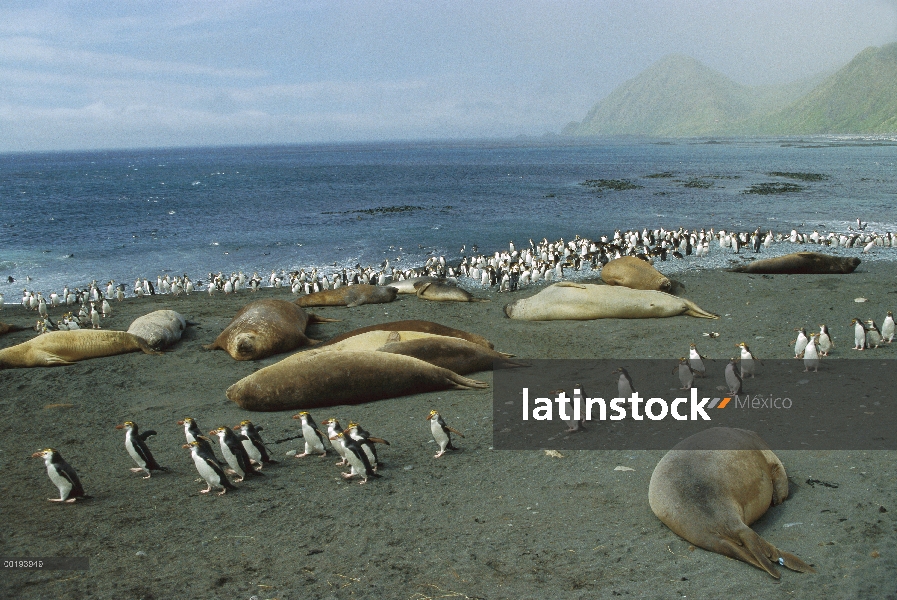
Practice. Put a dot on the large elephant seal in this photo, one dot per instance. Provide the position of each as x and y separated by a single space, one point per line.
7 328
712 485
350 295
414 325
265 327
635 273
798 263
450 353
160 328
333 378
68 347
441 292
583 301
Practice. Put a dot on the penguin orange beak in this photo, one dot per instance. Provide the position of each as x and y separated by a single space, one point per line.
236 427
185 446
180 422
119 426
38 454
429 417
297 416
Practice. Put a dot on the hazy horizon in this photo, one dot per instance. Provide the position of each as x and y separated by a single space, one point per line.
181 74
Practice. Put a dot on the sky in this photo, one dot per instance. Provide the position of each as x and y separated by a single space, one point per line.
135 74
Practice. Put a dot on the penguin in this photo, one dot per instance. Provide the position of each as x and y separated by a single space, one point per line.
208 467
314 439
62 475
686 374
747 360
873 335
253 444
625 389
366 442
733 379
859 334
442 433
234 453
357 459
887 328
696 361
333 428
800 343
811 356
191 430
824 342
135 443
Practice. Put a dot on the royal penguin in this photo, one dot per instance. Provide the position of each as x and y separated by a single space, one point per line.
811 355
625 387
887 328
333 428
314 439
686 373
62 475
824 341
733 379
859 334
696 361
800 343
366 441
234 453
253 444
208 467
873 335
357 458
747 360
442 433
135 443
191 429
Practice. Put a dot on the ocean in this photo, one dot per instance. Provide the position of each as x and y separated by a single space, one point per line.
69 218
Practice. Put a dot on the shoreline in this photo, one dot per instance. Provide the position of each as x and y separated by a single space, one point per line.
477 522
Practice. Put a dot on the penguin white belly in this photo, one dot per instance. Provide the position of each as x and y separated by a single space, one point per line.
439 435
252 451
206 471
64 485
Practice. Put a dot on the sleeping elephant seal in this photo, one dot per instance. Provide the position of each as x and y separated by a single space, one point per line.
160 328
441 292
68 347
414 325
408 286
712 485
334 378
350 295
634 273
798 263
450 353
583 301
265 327
7 328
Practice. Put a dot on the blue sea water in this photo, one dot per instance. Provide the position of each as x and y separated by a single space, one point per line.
68 218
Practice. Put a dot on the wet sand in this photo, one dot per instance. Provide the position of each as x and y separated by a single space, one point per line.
476 523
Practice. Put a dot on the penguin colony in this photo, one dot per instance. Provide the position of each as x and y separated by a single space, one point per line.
244 452
507 270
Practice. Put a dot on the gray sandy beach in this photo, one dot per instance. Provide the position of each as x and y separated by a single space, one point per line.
475 523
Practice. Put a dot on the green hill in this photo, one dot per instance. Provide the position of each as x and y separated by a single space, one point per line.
678 96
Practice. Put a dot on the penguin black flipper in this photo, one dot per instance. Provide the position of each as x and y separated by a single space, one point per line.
225 482
453 430
379 440
146 434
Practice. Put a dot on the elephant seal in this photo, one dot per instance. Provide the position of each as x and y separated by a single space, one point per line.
160 328
68 347
408 286
333 378
350 296
441 292
813 263
712 485
414 325
450 353
583 301
265 327
7 328
634 273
